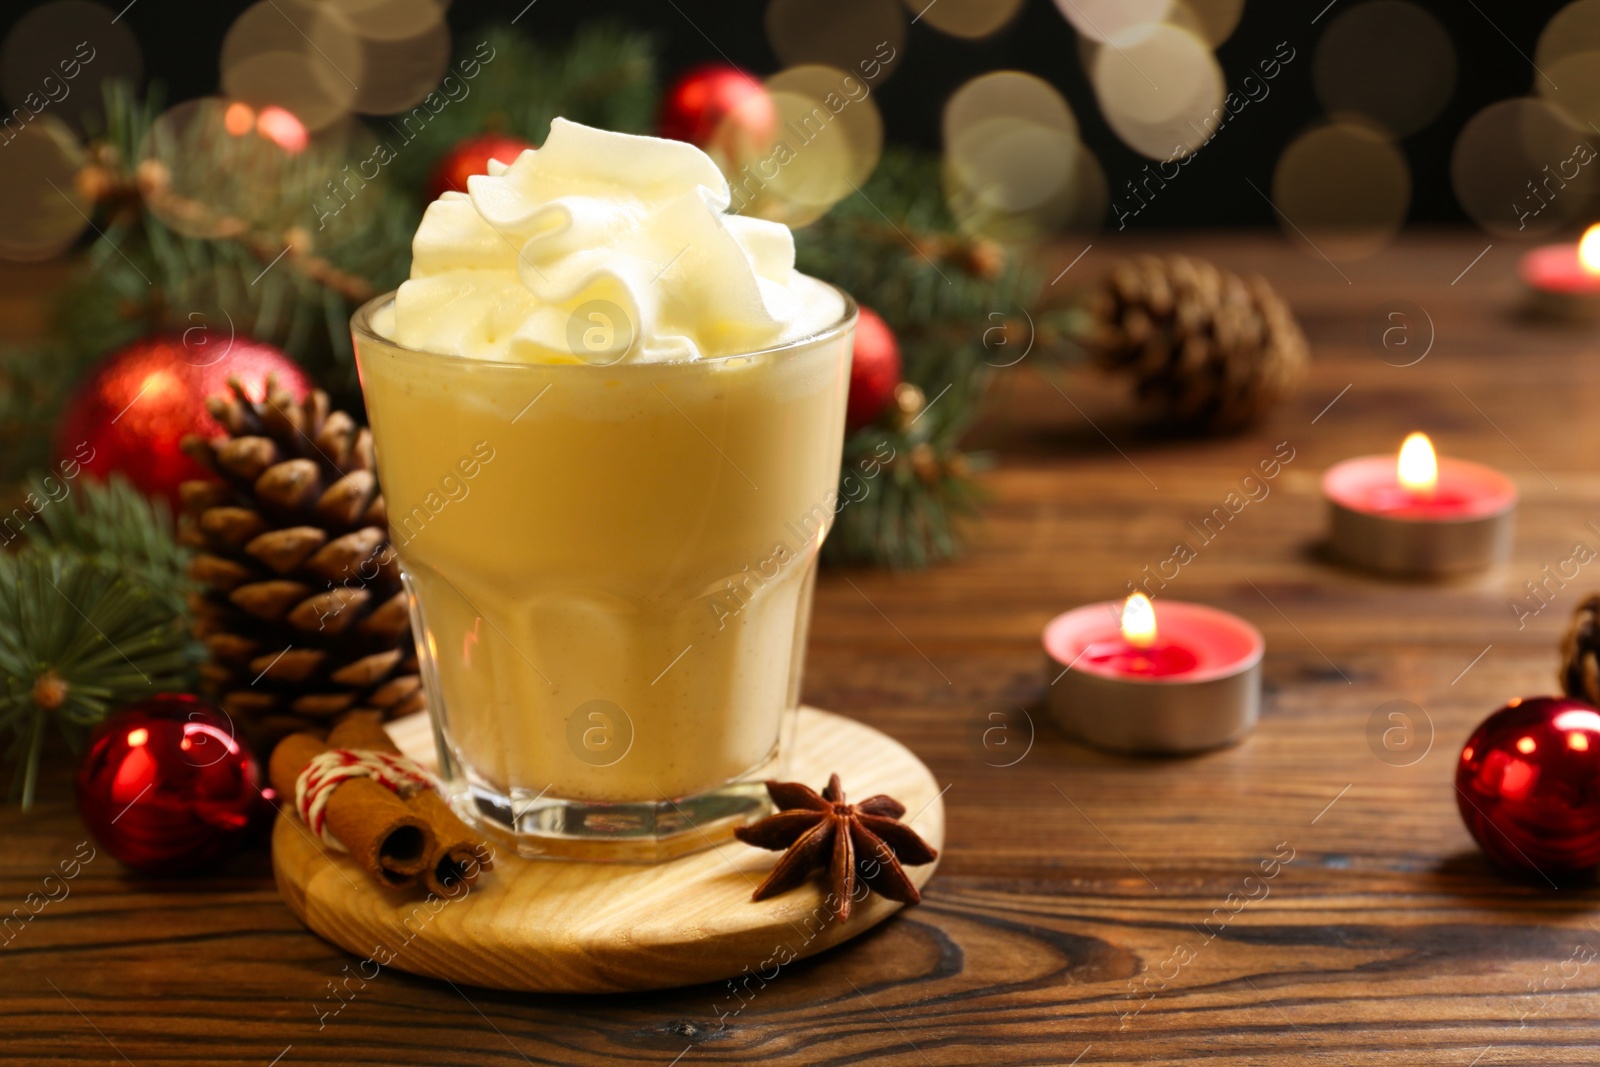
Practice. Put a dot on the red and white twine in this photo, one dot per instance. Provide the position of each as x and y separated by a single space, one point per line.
327 769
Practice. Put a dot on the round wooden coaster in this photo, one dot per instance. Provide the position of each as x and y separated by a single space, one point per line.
565 927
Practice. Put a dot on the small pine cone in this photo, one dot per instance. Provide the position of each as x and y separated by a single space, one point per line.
302 610
1207 349
1580 653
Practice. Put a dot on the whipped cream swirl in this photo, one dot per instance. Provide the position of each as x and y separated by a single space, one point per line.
603 247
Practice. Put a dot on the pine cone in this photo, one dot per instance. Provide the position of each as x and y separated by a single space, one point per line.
1208 349
1580 653
302 610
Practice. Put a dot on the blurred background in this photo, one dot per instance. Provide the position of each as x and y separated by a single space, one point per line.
1406 83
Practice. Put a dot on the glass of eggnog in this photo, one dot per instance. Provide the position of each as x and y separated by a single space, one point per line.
608 418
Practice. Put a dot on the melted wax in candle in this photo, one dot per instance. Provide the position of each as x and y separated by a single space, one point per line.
1397 498
1160 660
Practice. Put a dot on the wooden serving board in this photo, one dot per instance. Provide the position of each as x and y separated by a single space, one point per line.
567 927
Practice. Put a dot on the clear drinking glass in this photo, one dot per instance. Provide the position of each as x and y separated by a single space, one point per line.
610 571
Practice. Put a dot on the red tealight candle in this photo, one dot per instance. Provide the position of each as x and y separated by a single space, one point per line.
1125 680
1135 651
1565 279
1419 515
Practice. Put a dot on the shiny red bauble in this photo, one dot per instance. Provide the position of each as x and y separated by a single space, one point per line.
470 157
133 410
874 370
718 102
166 787
1528 785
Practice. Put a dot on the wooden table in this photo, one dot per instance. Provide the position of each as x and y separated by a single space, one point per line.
1082 913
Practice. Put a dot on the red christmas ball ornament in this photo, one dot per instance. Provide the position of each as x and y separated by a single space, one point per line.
135 408
166 787
471 156
874 370
1528 786
716 104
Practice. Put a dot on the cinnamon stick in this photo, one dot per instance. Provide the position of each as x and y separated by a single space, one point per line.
387 837
459 853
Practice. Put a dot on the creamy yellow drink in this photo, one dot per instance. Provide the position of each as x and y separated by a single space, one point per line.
608 419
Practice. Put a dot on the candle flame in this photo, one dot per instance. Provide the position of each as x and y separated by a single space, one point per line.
1589 250
1139 621
1418 467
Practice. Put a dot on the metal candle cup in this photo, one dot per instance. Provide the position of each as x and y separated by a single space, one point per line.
1463 523
1211 699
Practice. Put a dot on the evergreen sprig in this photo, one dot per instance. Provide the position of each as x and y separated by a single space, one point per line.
113 522
955 302
91 617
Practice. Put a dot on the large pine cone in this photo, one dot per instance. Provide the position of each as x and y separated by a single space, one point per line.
302 610
1208 349
1580 653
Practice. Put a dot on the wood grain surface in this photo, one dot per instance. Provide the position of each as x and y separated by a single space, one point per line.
1308 897
549 926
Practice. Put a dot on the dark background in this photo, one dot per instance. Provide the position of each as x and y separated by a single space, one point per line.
182 38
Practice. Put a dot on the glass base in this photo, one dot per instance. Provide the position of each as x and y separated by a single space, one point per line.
542 827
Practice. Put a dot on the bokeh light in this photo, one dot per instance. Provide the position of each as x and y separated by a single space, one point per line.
1180 15
1103 20
1578 75
62 53
1520 168
1010 179
386 20
404 47
1568 56
847 99
41 210
1011 164
1344 187
269 57
1215 19
282 128
1388 60
1009 93
220 153
864 37
827 140
1014 168
1573 29
239 118
1160 89
972 19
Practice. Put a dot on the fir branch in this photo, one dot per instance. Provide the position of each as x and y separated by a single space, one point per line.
92 614
34 382
951 300
114 523
234 233
77 638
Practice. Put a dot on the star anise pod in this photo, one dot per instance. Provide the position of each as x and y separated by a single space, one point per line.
863 843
